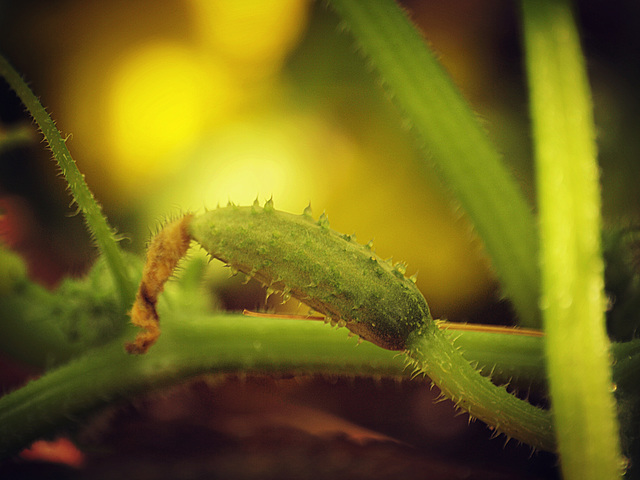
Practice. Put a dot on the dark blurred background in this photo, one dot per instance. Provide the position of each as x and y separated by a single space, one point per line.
177 105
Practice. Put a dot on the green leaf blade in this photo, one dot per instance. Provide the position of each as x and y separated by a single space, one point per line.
573 300
456 144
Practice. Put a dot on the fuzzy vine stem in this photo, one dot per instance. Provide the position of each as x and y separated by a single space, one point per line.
97 223
194 344
573 300
65 395
436 356
455 143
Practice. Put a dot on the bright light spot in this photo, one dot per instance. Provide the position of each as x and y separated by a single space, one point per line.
248 161
244 180
160 100
295 158
254 34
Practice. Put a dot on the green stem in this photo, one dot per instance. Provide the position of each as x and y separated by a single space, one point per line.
96 221
517 360
436 357
456 144
188 347
197 344
573 301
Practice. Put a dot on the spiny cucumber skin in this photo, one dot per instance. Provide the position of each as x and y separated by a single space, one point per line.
328 271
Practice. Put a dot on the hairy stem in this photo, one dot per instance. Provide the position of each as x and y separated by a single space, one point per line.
229 343
436 357
221 343
197 344
573 300
191 345
96 221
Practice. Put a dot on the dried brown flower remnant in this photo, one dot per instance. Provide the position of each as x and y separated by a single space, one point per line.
164 253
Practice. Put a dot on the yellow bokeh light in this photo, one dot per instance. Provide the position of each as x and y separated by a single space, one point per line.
246 179
291 156
239 162
161 98
254 35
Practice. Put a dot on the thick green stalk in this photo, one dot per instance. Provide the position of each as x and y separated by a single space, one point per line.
573 300
196 344
189 346
456 144
96 221
513 359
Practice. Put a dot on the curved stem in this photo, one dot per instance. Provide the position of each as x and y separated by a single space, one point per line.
190 346
504 355
436 357
197 344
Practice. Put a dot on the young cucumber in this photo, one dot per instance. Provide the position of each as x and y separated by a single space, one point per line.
330 272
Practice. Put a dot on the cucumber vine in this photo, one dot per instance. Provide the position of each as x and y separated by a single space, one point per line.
347 282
